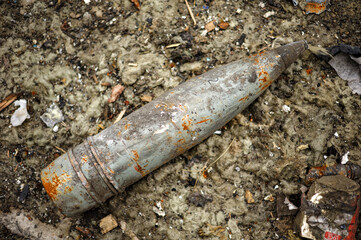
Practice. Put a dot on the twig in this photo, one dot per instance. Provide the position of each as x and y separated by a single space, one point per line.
59 148
17 165
221 154
191 13
8 100
173 45
205 168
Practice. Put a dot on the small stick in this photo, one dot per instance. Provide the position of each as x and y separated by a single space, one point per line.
221 155
191 13
206 168
60 149
8 100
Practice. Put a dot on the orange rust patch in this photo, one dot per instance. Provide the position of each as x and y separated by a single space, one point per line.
84 158
317 8
205 174
68 189
51 186
266 85
264 79
186 122
205 120
308 71
138 168
244 98
127 126
181 140
262 72
136 155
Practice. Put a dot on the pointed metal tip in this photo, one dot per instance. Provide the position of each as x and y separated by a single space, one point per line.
290 52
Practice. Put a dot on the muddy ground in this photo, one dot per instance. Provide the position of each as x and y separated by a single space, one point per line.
72 53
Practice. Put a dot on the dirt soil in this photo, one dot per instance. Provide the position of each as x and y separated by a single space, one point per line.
72 53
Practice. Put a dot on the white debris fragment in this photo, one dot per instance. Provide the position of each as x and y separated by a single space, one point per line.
286 108
158 209
345 158
268 14
218 132
290 205
316 198
87 2
20 114
269 198
336 134
261 4
52 116
56 128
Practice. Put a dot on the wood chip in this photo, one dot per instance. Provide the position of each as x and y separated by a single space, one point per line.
210 26
223 25
173 45
8 100
136 4
108 223
249 197
106 84
116 91
146 98
120 116
95 79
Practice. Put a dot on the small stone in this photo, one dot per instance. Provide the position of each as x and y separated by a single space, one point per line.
108 223
249 197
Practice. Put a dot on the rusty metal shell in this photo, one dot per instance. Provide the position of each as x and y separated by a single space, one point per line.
161 130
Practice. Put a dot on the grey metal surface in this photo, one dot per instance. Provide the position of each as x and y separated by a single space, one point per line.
161 130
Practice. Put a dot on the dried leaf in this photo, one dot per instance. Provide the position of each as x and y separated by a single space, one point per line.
223 25
136 4
116 91
249 197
